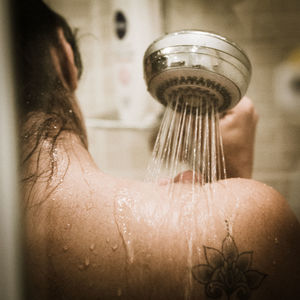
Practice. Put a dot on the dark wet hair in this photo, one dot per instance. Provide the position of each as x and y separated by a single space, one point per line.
42 96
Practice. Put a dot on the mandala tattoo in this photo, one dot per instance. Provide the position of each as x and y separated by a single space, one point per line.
228 272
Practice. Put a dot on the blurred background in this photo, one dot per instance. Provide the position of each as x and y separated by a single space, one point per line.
121 117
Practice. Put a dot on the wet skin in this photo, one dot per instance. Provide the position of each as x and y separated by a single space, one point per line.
79 247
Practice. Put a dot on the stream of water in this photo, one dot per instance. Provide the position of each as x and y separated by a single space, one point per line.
188 141
188 158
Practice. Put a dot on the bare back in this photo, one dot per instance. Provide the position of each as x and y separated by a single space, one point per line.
98 237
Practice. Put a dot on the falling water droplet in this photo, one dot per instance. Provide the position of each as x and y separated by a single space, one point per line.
92 247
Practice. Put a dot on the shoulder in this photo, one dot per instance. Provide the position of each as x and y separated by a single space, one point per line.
255 195
261 211
261 199
257 218
266 226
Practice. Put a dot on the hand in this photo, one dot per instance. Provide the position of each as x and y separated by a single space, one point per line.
238 127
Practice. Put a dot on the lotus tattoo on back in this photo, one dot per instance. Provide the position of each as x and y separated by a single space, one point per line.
228 272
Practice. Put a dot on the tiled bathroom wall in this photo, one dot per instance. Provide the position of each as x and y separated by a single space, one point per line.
119 148
268 30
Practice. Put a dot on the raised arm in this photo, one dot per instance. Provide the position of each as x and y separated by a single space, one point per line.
238 128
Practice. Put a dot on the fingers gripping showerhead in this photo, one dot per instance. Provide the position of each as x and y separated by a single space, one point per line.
195 69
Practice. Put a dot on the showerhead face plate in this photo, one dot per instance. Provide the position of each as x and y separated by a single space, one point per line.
196 69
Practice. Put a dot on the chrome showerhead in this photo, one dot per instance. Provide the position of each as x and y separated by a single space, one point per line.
196 68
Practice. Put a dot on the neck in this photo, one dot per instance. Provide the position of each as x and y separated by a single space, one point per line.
48 152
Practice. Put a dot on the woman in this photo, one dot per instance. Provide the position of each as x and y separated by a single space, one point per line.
93 236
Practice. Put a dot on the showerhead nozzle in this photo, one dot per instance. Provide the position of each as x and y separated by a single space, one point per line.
196 68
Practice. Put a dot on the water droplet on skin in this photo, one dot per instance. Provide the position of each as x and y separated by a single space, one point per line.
54 126
276 241
124 204
114 247
65 248
89 205
92 247
107 240
83 266
87 261
70 111
67 226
